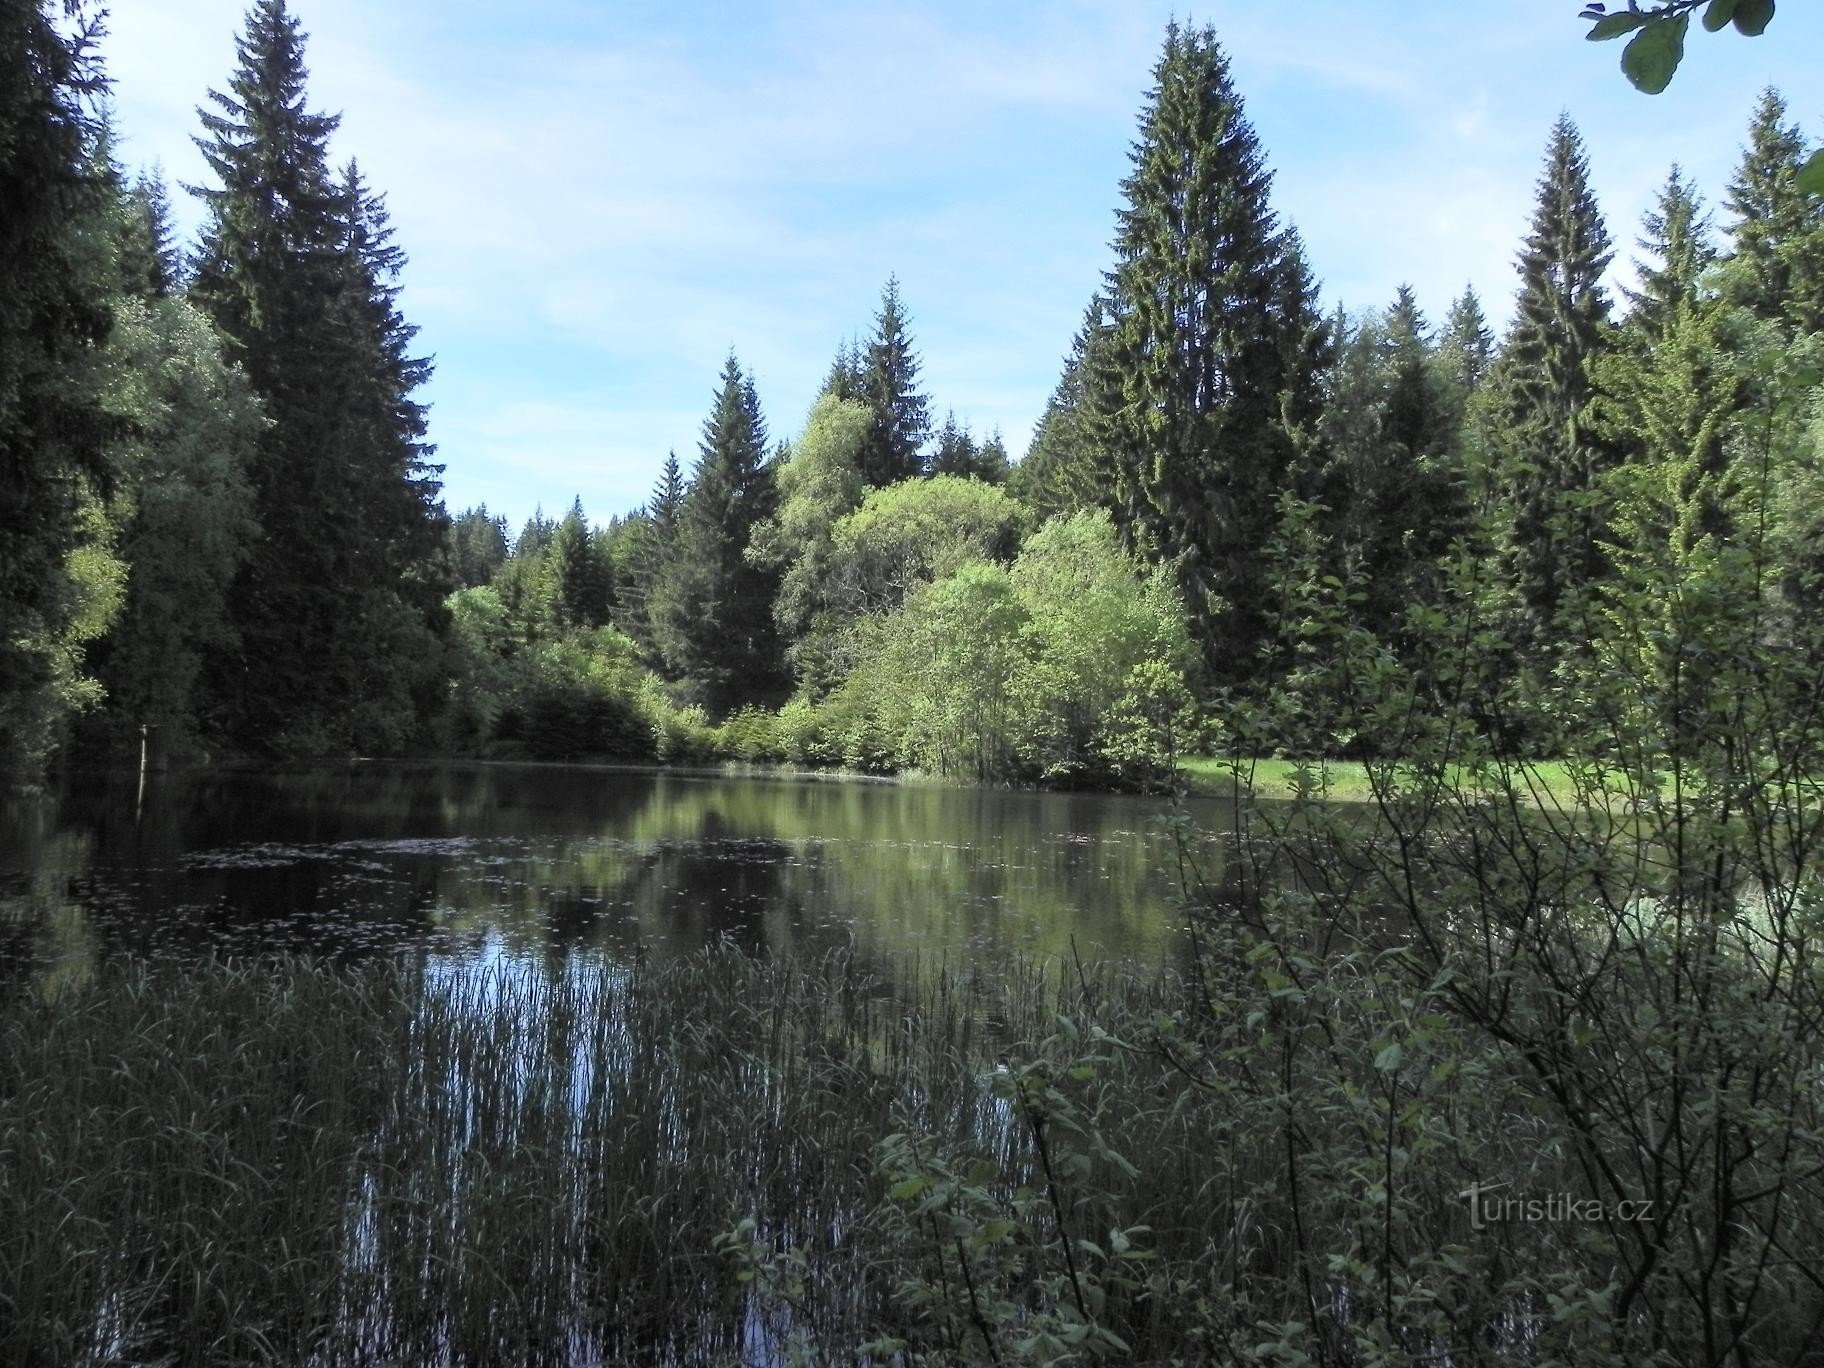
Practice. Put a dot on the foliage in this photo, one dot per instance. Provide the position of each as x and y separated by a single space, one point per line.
958 453
1391 426
1778 230
478 546
910 534
888 380
1061 473
1103 693
1552 456
1069 666
818 485
337 612
54 431
712 609
583 693
183 509
1653 54
1204 376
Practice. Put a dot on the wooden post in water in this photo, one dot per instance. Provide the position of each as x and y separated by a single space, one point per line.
152 759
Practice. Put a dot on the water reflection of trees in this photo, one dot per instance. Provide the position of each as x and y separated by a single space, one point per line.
551 861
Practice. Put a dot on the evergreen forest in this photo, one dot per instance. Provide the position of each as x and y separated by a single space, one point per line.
1493 1035
223 527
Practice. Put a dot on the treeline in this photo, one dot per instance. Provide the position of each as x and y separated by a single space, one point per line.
235 536
1226 482
218 515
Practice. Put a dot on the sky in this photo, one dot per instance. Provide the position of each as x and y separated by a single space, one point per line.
600 200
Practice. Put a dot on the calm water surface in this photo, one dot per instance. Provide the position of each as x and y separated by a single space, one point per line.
478 862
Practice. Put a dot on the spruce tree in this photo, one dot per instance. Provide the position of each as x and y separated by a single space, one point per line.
54 315
667 505
1390 432
642 551
1468 347
524 583
147 257
135 253
584 590
1203 384
955 450
1777 238
1675 237
1061 472
338 608
958 453
1553 458
1671 385
712 608
164 267
889 386
992 464
847 378
406 519
477 546
1417 421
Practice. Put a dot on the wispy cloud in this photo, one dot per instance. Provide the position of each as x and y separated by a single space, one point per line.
598 201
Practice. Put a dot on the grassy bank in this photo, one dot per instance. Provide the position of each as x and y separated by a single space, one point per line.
1544 782
723 1161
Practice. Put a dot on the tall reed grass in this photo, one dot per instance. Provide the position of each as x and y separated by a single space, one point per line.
718 1160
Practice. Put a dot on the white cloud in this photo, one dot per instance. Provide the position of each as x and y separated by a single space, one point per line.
598 202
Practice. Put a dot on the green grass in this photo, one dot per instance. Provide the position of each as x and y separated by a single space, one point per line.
1545 782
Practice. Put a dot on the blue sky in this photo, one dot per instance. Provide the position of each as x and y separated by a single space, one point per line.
599 199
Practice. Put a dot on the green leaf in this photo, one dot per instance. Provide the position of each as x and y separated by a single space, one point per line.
1718 13
1654 54
1810 179
1614 25
1753 16
1388 1059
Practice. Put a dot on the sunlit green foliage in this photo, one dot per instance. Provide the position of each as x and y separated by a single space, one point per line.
1068 666
184 510
910 534
819 484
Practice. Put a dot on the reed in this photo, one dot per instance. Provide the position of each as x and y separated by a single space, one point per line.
720 1160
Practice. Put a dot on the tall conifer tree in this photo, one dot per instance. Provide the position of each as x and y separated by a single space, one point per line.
337 606
1777 237
584 587
667 506
1675 237
1554 457
1391 433
477 546
889 386
650 539
848 375
1062 471
54 434
713 608
1203 381
1468 347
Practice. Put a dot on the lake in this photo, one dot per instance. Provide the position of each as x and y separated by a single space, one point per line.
480 862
